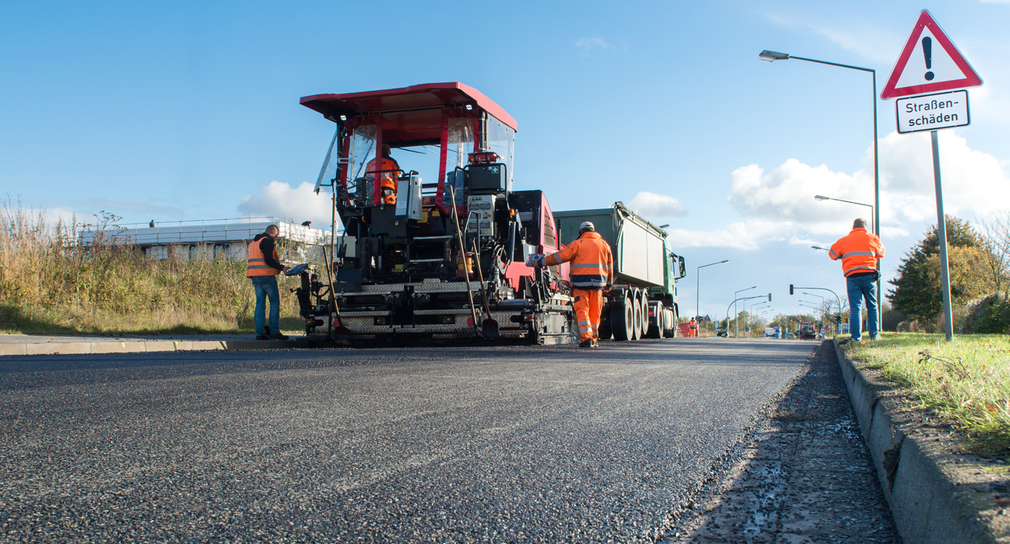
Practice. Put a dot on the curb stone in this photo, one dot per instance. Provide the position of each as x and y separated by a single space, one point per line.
936 494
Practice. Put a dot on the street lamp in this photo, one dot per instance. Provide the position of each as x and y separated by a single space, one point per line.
875 227
820 248
697 286
772 56
735 293
753 310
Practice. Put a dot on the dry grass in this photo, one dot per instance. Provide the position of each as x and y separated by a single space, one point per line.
49 284
966 380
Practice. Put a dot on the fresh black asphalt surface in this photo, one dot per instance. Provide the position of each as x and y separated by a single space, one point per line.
449 444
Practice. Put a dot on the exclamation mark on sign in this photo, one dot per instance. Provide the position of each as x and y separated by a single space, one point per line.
927 50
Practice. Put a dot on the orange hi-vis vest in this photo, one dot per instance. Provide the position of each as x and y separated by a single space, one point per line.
591 264
858 251
257 265
388 172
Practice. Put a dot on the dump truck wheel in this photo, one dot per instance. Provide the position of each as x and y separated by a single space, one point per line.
643 302
622 319
657 322
672 331
605 331
636 304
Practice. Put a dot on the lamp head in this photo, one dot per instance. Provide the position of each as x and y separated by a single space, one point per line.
772 56
821 197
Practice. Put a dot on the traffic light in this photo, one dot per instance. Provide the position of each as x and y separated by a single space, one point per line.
769 297
790 288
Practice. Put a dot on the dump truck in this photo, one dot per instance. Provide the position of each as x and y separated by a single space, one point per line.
643 301
435 248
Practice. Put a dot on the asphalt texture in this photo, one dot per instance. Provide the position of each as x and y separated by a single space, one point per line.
802 474
452 444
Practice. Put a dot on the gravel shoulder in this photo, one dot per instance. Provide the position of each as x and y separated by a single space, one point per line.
802 473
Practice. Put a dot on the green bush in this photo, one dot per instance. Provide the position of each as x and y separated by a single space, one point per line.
988 315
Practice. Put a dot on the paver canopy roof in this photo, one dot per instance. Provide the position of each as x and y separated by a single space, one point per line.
416 110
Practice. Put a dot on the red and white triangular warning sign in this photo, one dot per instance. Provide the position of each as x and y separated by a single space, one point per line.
929 63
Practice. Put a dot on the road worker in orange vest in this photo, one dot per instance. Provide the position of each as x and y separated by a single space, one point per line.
592 273
262 268
859 252
693 331
388 172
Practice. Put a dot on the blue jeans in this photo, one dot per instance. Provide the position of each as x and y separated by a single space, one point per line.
861 287
266 288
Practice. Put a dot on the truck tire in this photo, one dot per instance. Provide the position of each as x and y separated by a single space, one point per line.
657 321
605 331
644 303
636 303
622 318
672 331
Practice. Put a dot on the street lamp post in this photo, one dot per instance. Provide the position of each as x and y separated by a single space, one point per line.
772 56
697 286
733 305
735 293
754 308
874 227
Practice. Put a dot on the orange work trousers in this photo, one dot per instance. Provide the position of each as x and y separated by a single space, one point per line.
588 306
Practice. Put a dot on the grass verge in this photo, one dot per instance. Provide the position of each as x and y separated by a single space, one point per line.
51 284
966 380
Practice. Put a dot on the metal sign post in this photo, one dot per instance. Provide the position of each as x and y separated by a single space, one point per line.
941 232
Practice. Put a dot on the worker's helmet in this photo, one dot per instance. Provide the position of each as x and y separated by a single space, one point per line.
587 226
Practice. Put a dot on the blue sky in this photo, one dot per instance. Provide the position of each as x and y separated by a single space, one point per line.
189 110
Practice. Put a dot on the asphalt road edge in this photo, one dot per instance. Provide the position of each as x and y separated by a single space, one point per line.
137 346
920 480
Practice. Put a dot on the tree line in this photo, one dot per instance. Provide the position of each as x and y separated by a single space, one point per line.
979 267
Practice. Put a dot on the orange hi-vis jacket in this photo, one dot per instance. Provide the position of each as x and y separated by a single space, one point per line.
591 263
257 265
388 172
859 251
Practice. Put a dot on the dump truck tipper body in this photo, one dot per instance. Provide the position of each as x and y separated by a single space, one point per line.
643 301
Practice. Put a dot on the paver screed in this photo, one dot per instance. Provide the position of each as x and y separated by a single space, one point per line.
801 475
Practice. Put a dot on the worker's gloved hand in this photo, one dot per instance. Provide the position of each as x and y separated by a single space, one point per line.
607 288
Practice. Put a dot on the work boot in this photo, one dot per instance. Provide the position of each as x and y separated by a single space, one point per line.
586 344
278 336
262 337
596 342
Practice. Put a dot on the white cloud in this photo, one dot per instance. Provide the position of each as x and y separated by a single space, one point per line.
785 196
974 185
656 206
746 235
587 45
296 204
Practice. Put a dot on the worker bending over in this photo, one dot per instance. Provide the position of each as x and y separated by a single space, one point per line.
592 274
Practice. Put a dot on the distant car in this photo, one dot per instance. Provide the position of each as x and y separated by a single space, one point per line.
722 333
807 331
790 336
